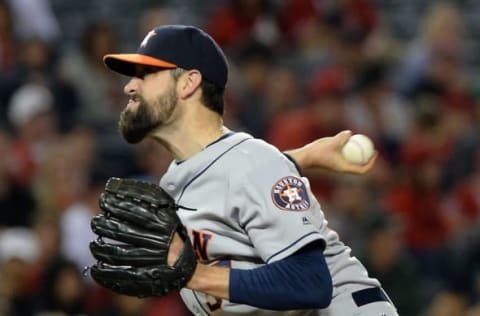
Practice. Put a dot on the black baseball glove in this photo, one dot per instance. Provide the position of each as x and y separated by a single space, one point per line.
141 220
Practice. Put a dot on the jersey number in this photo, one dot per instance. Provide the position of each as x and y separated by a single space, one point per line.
217 304
200 243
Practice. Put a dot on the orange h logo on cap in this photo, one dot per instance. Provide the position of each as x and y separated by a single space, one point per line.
147 38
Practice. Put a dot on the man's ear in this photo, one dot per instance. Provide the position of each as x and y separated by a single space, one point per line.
189 83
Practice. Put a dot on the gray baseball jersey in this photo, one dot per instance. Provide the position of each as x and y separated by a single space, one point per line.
251 207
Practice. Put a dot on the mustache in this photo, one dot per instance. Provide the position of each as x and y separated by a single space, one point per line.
137 97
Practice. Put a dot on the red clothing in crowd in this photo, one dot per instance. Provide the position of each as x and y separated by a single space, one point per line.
421 215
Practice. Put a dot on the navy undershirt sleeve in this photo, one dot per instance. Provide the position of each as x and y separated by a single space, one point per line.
300 281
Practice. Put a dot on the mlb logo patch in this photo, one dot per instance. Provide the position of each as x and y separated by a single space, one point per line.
290 194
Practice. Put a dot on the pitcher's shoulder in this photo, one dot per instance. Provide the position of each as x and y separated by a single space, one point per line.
257 149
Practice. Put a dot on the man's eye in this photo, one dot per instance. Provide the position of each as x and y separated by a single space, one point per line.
142 72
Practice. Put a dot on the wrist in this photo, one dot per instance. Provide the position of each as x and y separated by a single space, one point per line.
300 157
211 280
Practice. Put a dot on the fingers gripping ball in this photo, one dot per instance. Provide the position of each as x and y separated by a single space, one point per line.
358 149
140 220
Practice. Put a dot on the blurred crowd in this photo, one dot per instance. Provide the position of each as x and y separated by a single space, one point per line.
299 70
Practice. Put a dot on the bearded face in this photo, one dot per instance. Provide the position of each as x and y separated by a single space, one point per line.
135 125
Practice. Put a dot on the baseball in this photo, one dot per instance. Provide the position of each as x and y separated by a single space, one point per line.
358 149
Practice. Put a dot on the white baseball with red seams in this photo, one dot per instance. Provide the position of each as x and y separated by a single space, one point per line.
358 149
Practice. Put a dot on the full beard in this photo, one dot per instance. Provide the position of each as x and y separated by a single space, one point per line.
136 125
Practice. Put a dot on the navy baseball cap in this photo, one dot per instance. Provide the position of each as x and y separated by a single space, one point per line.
173 46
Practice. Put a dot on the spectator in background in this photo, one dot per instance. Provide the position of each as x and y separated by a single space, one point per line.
460 181
35 19
350 23
100 102
63 290
446 79
416 197
34 57
462 205
18 254
121 305
283 91
440 42
254 64
8 40
323 116
352 200
76 234
354 15
331 33
152 17
464 158
239 21
386 259
54 282
47 230
375 109
9 52
462 290
294 15
447 304
38 63
16 202
61 179
35 126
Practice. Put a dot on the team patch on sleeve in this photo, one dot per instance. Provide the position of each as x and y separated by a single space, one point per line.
290 194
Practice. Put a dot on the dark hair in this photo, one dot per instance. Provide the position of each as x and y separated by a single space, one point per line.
212 95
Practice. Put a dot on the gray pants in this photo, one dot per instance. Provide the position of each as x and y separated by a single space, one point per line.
344 305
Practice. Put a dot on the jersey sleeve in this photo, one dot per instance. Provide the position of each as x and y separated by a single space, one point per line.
276 208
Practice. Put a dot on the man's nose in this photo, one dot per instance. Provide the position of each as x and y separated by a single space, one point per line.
131 86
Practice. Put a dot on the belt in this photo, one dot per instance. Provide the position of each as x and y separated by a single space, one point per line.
369 295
